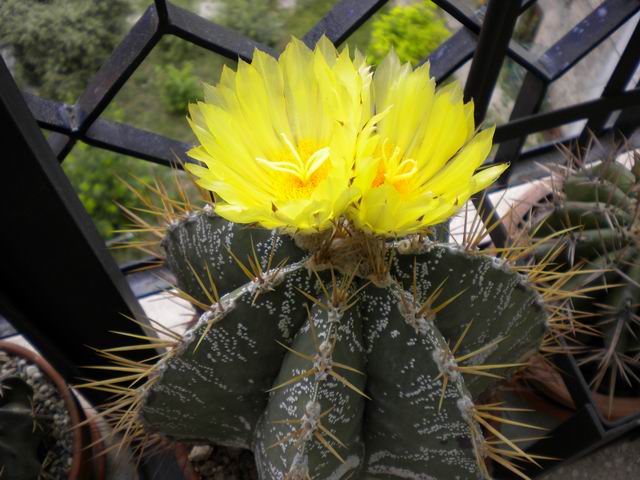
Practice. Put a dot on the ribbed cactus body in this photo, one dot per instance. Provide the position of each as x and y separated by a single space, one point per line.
197 249
497 302
318 403
216 392
600 205
408 433
332 370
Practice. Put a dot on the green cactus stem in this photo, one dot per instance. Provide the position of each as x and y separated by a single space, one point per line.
20 437
203 246
360 359
601 207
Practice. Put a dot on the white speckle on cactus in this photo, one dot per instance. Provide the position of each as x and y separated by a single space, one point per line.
187 337
334 315
173 224
246 424
299 468
350 463
394 472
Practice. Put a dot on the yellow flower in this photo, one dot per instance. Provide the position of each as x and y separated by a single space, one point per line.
279 138
427 159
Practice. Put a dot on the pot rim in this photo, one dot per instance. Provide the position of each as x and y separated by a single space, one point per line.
70 402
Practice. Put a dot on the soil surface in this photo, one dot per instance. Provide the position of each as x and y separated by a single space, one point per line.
222 463
618 461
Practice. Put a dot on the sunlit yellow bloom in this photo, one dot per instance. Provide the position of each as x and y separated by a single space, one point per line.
427 159
279 138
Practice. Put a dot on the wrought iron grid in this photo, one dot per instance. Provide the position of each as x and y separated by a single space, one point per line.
487 46
77 260
80 121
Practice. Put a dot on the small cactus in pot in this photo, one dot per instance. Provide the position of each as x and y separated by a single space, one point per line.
41 434
335 338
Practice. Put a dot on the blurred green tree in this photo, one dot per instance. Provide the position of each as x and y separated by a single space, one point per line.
59 44
413 31
260 20
178 87
94 174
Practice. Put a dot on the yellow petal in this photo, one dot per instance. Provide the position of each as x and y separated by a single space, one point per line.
279 138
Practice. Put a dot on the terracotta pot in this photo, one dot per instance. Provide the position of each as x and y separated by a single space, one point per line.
537 399
533 195
86 464
550 382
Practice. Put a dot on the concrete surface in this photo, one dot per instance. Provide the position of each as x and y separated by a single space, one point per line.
618 461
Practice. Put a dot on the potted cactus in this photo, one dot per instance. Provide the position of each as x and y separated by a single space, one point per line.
598 209
336 339
43 433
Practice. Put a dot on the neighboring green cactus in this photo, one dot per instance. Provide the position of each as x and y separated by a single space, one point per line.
602 207
359 358
20 437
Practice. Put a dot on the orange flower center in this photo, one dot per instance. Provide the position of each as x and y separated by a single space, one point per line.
394 169
299 169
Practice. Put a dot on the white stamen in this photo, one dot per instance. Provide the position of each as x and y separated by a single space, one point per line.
316 160
286 167
300 168
293 149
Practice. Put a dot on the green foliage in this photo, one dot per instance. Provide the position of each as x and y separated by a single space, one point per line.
178 87
91 171
260 20
174 50
140 102
59 44
413 31
94 174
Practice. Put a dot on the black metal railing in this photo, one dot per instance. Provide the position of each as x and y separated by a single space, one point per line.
60 287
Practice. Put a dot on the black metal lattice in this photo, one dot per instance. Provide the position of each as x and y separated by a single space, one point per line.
81 121
60 287
488 48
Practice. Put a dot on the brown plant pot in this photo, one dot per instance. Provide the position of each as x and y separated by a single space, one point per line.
550 382
86 464
534 195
